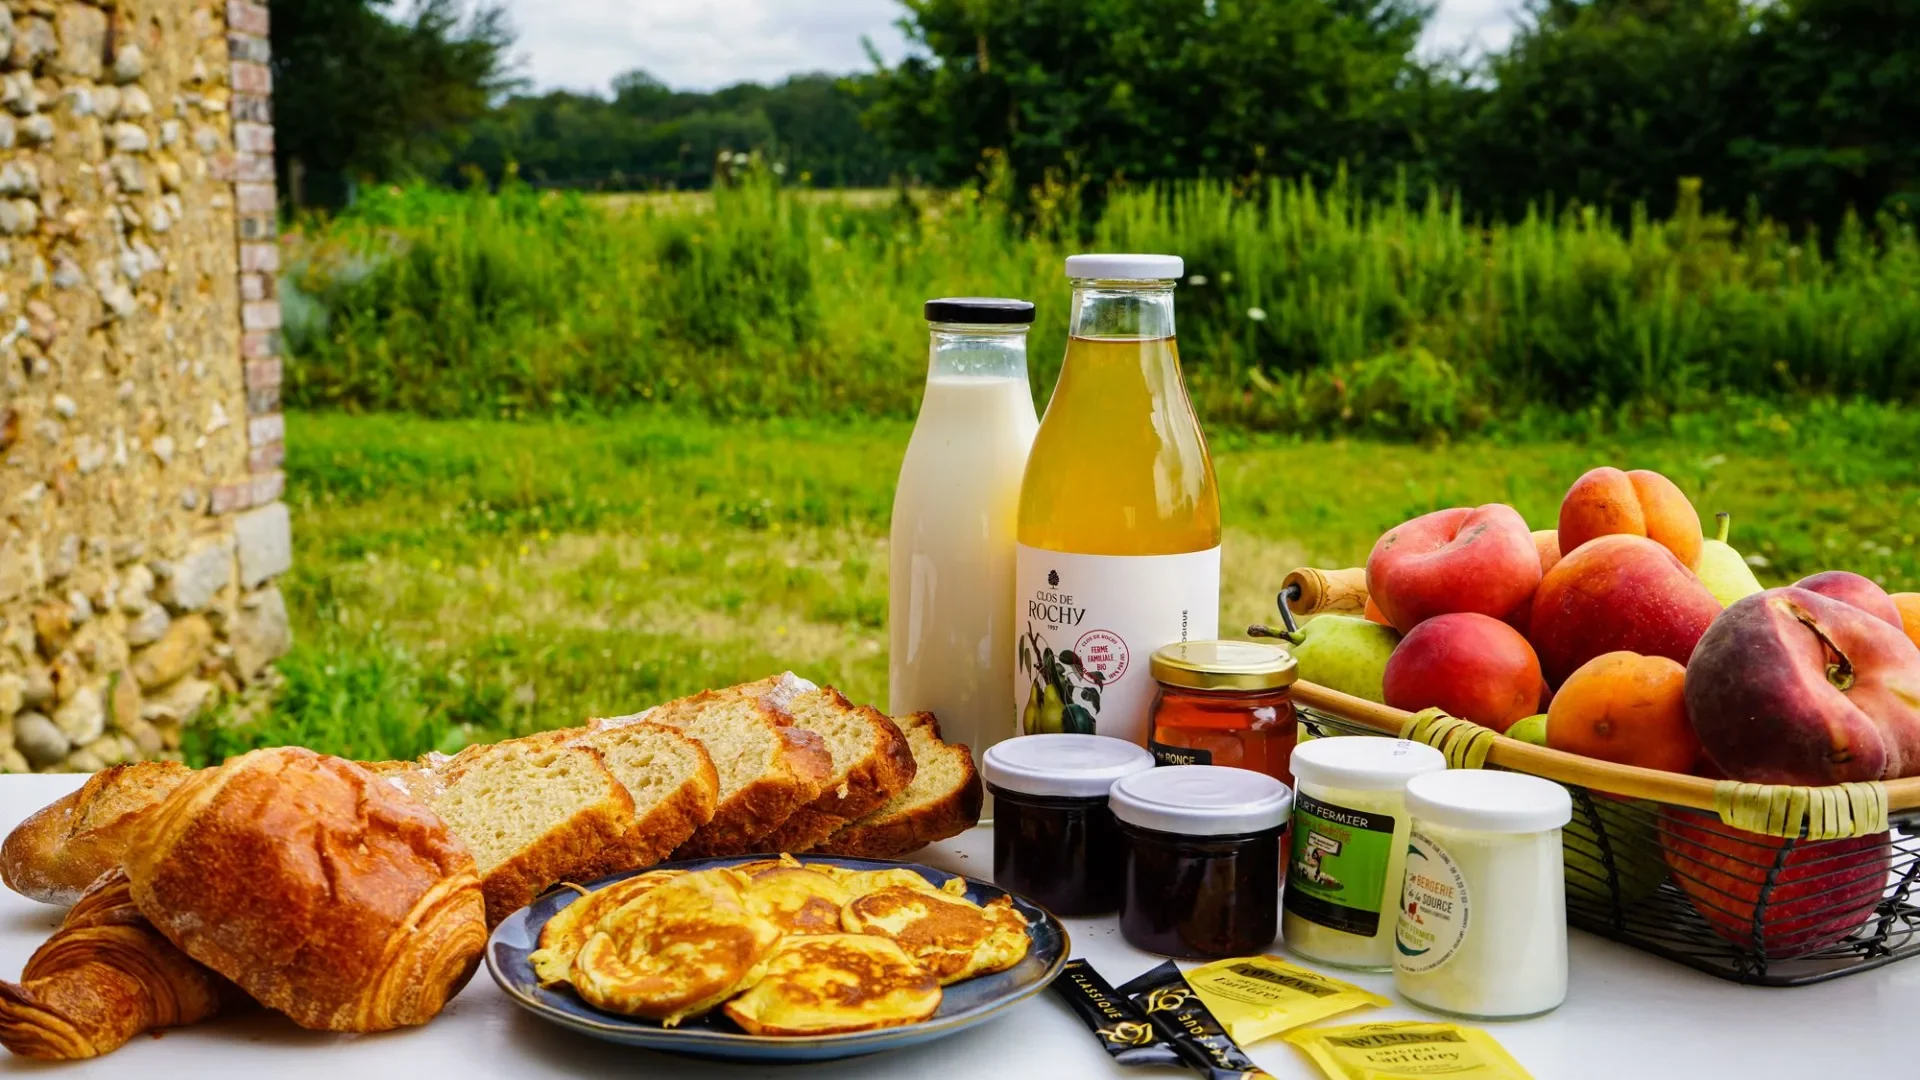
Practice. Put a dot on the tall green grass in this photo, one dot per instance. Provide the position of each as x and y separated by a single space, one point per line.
1304 309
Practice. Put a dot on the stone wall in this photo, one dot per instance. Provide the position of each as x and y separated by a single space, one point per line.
140 434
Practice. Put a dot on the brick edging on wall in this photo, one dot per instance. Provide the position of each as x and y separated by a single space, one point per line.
250 169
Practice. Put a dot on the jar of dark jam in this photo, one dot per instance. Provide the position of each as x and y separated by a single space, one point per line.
1203 859
1054 839
1224 703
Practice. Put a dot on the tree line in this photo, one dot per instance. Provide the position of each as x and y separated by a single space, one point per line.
1797 109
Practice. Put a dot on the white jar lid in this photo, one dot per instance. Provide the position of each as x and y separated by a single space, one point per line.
1126 267
1201 800
1063 766
1363 762
1484 801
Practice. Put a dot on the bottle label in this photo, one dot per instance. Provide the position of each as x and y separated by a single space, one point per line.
1433 907
1338 876
1164 754
1088 623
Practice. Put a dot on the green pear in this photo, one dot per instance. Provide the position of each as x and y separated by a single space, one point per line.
1725 574
1632 839
1344 653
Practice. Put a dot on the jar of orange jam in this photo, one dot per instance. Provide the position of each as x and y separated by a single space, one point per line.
1224 703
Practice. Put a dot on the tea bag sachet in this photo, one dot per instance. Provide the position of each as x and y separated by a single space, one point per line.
1182 1017
1123 1030
1399 1049
1258 996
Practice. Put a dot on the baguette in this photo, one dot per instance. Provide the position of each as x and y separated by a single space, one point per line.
942 801
65 846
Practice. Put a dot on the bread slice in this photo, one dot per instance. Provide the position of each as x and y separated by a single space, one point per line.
533 817
871 764
767 767
943 799
673 784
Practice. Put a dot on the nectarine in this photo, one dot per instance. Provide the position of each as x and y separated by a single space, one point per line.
1851 588
1468 665
1480 560
1814 892
1625 708
1607 501
1618 593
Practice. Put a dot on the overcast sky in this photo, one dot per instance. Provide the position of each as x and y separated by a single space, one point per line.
703 44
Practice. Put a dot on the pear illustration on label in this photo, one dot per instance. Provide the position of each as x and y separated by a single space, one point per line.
1065 695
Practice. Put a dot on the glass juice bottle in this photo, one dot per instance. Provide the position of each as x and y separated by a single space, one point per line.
952 550
1119 529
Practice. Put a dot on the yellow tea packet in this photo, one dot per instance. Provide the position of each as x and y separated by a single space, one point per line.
1256 996
1406 1048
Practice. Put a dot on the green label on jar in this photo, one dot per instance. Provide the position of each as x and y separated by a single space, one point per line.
1338 873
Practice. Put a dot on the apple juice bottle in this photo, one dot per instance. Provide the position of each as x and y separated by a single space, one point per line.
1119 527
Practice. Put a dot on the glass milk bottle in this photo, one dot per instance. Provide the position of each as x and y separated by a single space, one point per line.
952 548
1119 517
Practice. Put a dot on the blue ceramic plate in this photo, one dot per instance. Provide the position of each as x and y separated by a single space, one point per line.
962 1005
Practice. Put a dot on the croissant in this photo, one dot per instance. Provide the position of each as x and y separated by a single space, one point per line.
322 891
104 976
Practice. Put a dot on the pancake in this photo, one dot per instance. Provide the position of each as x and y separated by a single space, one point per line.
561 938
798 901
831 983
761 866
862 882
677 951
949 936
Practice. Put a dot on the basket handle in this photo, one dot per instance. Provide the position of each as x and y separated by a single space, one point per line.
1308 591
1830 812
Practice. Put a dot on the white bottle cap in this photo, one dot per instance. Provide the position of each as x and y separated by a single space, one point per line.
1363 762
1062 766
1483 801
1201 800
1126 267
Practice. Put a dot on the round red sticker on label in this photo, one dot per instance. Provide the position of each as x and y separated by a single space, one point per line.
1104 652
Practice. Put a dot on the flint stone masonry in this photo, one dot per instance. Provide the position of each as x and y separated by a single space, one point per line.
140 433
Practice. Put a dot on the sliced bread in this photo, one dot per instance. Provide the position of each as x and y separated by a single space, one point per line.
533 817
767 767
673 784
943 799
871 764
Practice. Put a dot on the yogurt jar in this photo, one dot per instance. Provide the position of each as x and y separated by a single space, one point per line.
1349 847
1054 839
1482 927
1202 859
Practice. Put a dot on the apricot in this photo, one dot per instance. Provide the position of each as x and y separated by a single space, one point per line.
1467 665
1908 605
1607 501
1374 614
1628 709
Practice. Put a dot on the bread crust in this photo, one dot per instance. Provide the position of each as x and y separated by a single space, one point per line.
868 784
797 770
570 851
897 834
671 821
322 891
65 846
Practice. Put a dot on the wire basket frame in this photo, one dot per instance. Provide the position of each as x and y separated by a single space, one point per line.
1680 884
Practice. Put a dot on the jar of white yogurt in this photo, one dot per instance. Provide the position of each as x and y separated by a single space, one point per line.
1482 927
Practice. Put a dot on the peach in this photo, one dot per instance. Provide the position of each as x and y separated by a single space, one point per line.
1460 560
1606 502
1468 665
1791 686
1547 543
1814 892
1908 605
1628 709
1618 593
1850 588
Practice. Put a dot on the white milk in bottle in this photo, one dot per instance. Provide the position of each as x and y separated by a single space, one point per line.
954 516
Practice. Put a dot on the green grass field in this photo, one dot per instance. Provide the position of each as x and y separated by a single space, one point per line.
456 580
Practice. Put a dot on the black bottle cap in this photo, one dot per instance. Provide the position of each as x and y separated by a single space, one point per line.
979 310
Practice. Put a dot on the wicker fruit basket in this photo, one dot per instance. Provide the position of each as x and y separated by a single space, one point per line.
1766 884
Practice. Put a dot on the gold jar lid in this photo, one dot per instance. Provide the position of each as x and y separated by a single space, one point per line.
1224 665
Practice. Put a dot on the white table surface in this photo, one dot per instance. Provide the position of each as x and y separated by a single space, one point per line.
1628 1016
